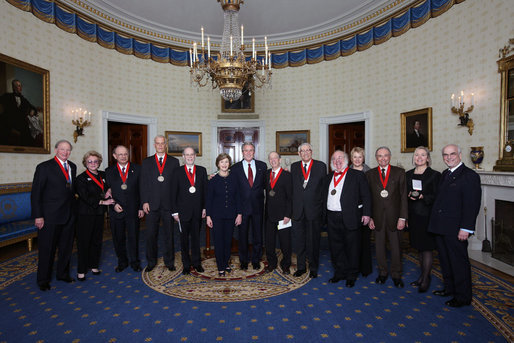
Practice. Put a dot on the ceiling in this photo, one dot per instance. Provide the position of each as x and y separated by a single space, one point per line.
286 23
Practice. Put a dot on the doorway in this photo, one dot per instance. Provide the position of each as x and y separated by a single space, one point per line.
133 136
231 140
345 137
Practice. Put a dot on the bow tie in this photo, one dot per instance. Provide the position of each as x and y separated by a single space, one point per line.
338 173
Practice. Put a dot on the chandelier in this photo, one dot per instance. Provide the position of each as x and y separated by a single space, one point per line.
230 70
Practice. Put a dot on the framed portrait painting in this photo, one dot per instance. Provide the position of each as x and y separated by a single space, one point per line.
179 140
24 107
287 142
416 129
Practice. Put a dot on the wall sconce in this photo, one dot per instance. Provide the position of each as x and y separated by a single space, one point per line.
458 107
80 122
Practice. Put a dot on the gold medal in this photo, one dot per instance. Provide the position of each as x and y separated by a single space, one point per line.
160 178
333 192
384 194
124 186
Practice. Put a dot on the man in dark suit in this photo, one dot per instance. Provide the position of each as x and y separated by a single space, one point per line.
348 207
453 219
308 176
188 190
14 109
123 177
279 192
416 138
389 193
52 200
156 177
250 174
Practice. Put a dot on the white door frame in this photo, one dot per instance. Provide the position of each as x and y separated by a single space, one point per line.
238 123
150 122
324 122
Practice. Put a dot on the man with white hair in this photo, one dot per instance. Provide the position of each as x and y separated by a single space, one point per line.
348 207
453 219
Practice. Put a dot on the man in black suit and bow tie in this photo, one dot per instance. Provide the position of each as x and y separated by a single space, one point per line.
453 220
250 174
188 190
279 203
156 178
123 177
348 207
53 203
308 175
388 189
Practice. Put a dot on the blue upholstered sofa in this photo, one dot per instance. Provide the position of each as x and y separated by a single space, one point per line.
16 223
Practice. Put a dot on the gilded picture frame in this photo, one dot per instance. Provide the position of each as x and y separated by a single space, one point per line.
177 141
24 107
416 129
245 104
287 142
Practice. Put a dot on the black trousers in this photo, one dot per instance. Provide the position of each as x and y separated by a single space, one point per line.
89 241
153 220
284 237
306 234
365 264
344 245
244 228
455 266
222 230
125 237
190 229
53 237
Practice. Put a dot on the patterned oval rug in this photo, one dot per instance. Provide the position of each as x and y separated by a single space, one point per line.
239 285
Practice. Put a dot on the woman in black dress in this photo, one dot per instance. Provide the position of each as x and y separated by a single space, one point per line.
223 211
422 183
94 197
365 266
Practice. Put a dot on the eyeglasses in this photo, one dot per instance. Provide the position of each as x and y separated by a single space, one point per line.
305 151
93 162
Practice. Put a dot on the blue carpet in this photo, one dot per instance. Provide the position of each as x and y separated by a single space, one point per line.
119 307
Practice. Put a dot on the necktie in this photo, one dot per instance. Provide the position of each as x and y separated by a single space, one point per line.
272 176
337 173
250 175
190 171
383 173
123 170
305 167
160 161
66 167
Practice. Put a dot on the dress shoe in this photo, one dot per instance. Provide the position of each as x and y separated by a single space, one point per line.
221 273
350 283
381 279
299 273
441 293
199 269
228 270
335 279
244 266
398 283
98 272
424 285
172 268
286 271
415 283
457 303
81 278
119 269
148 269
186 271
313 275
44 286
256 265
270 269
66 279
137 269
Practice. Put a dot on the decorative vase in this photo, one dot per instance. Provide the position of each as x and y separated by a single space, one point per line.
477 156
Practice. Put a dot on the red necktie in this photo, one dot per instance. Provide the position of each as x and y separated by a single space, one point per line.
250 175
